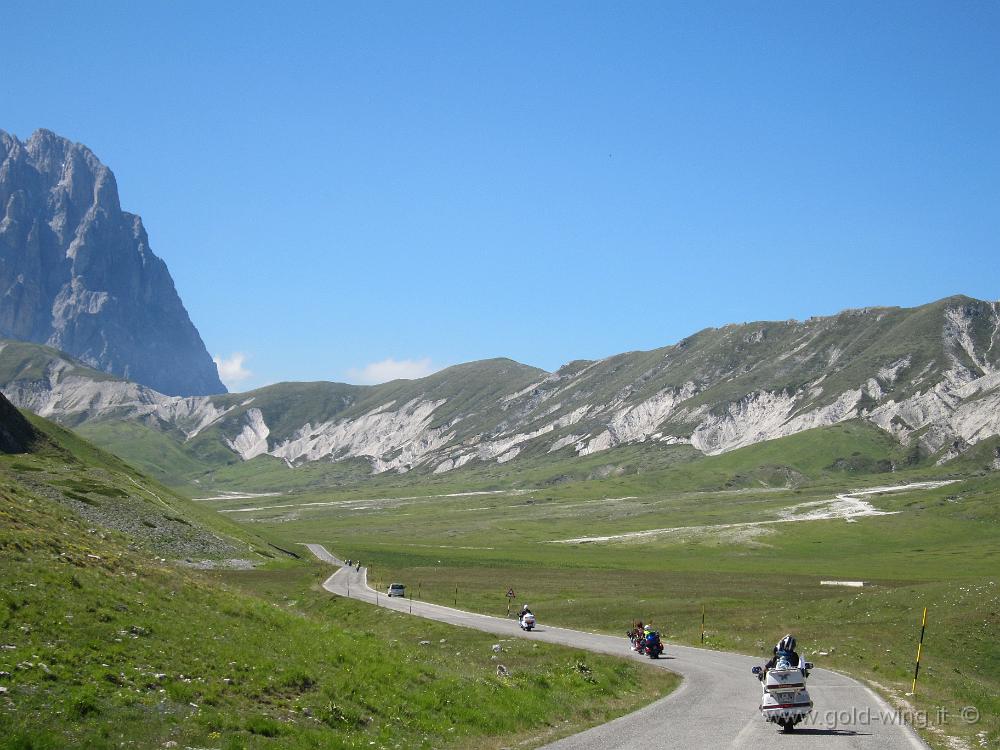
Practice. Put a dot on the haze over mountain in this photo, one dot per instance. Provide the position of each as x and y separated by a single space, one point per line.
929 376
77 272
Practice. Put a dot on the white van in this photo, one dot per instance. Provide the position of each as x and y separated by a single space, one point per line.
396 589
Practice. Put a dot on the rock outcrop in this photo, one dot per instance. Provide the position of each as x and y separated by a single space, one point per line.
77 272
16 433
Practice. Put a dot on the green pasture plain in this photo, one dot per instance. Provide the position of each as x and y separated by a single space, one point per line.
755 579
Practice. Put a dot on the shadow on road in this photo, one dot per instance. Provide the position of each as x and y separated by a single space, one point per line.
825 732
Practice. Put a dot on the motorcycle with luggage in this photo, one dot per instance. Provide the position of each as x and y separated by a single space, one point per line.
784 698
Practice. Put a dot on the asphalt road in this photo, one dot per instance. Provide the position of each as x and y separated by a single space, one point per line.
715 706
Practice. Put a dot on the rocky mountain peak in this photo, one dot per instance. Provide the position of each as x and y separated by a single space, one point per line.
77 272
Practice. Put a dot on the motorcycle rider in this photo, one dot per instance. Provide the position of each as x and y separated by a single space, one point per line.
635 634
785 649
526 612
651 645
785 700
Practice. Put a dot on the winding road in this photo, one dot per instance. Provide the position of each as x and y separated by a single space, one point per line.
715 705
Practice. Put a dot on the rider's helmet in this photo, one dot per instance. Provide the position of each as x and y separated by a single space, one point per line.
786 644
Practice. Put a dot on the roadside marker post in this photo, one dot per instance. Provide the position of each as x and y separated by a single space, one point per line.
702 623
920 648
456 597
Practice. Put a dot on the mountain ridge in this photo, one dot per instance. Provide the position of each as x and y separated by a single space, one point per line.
929 376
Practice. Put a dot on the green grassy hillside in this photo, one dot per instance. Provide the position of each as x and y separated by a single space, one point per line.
99 486
22 360
104 642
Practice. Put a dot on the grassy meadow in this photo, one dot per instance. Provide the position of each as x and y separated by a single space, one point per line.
723 546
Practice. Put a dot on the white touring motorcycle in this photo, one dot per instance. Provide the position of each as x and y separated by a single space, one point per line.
784 699
527 621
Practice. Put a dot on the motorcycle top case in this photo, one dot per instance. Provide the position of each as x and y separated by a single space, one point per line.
782 680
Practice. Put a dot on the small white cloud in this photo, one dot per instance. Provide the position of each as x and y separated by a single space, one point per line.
231 369
392 369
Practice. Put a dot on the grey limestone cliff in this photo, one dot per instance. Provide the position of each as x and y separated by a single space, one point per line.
77 272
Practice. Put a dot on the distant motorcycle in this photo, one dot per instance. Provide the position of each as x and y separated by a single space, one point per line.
784 699
652 646
527 621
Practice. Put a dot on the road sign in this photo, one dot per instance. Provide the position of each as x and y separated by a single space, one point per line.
510 594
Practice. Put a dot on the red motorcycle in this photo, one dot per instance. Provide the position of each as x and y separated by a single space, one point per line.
652 645
648 644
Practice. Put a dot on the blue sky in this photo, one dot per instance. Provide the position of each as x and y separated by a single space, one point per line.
346 192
